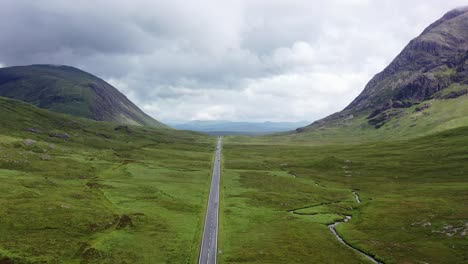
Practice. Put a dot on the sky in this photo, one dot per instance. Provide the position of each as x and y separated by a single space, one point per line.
245 60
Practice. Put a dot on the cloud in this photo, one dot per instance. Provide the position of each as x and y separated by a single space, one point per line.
207 59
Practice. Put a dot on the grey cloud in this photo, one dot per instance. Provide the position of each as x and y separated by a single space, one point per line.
175 58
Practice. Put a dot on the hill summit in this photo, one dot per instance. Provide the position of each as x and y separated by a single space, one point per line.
69 90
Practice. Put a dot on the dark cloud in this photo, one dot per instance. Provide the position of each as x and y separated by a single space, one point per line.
219 59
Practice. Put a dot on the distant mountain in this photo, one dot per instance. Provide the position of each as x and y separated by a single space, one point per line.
71 91
422 90
238 128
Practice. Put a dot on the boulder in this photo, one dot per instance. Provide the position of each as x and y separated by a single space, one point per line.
63 136
29 142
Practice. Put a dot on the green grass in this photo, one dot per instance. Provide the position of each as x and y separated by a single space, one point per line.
279 198
442 114
132 195
80 191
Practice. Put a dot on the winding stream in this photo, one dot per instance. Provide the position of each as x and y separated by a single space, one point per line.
332 227
357 197
347 218
333 230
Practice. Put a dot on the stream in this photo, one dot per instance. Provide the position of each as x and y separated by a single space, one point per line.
333 230
332 227
357 197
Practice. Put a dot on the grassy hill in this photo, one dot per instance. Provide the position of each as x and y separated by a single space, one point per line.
79 191
71 91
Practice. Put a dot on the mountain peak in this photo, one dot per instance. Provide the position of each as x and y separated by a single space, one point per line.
434 61
458 10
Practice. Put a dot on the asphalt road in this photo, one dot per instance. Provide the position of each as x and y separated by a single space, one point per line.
209 246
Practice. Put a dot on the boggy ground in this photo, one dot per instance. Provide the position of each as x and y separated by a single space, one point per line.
77 191
278 200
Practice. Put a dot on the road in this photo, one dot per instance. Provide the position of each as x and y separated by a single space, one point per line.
209 246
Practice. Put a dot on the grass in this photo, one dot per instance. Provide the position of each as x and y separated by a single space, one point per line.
279 198
440 115
103 193
79 191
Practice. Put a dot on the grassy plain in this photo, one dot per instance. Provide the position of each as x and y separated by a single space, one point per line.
279 198
78 191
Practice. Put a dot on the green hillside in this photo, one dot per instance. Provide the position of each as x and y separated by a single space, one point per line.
71 91
75 190
431 116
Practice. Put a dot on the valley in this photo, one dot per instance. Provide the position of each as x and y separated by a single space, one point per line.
106 193
88 177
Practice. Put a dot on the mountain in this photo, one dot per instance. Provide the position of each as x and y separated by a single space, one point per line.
423 89
238 128
71 91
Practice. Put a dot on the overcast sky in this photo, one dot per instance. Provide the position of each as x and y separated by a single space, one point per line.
251 60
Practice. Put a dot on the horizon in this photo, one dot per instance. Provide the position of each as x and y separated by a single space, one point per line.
235 121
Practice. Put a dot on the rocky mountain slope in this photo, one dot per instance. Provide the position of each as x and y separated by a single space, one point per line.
432 69
71 91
